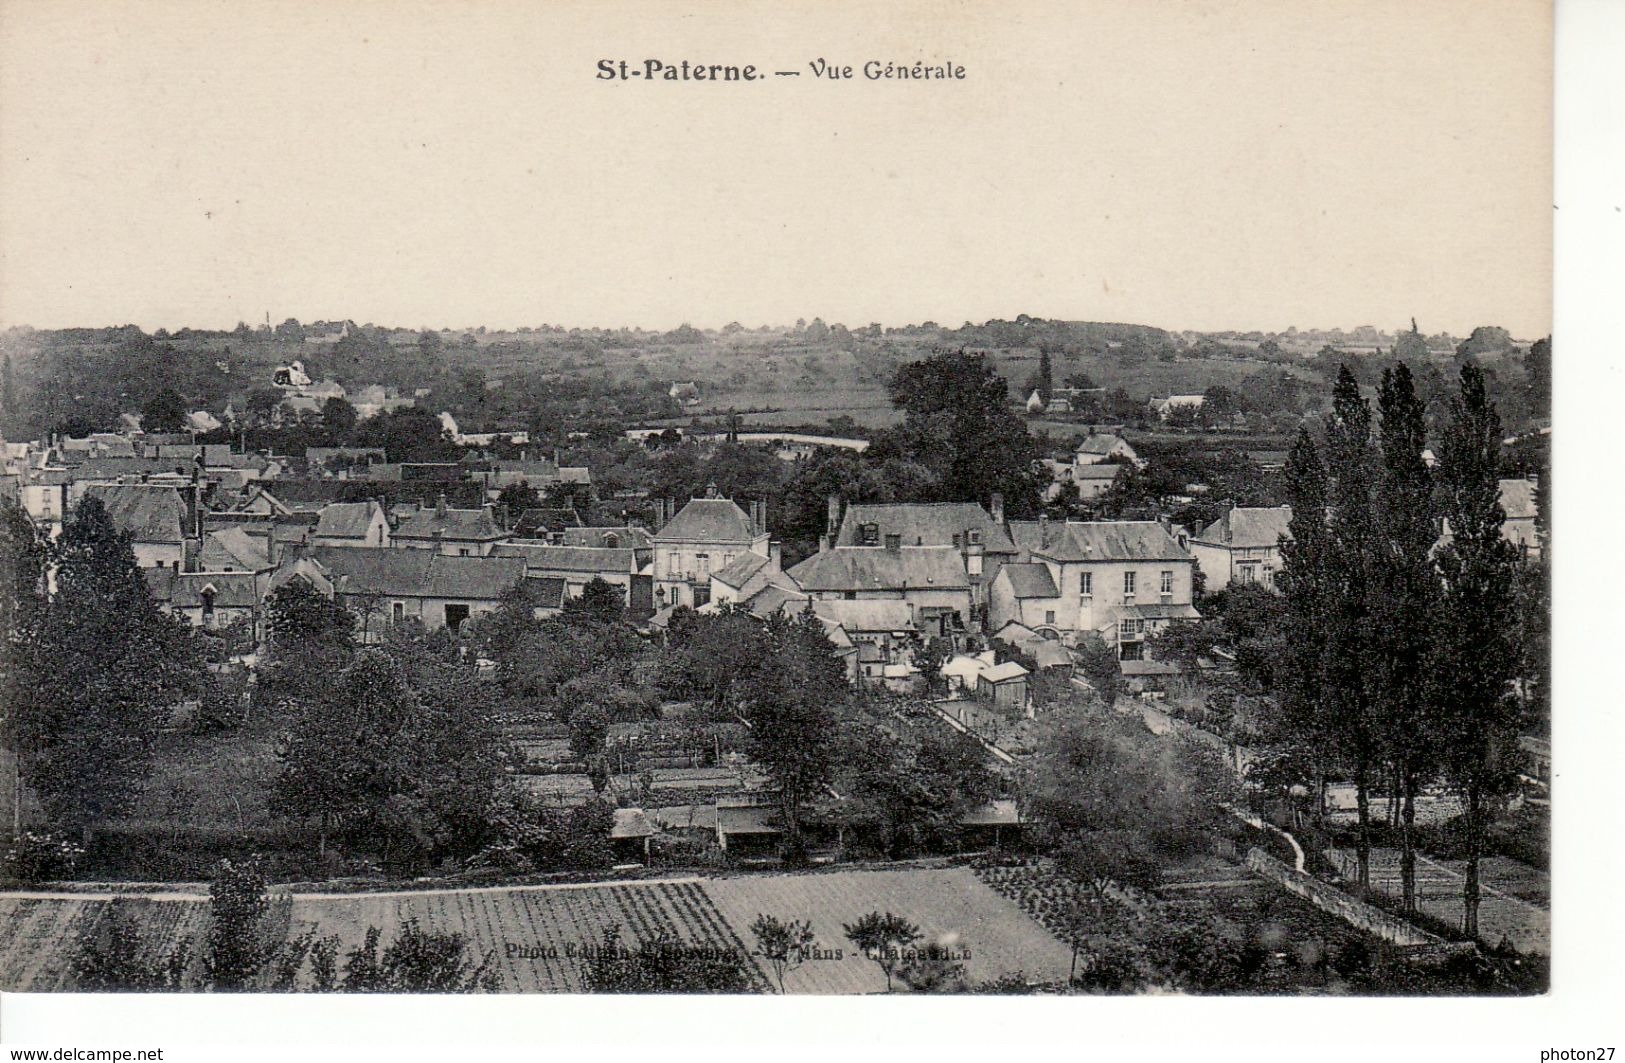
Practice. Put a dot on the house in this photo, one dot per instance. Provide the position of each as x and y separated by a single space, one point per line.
1005 685
930 579
451 531
547 522
1243 546
1092 481
706 536
243 548
352 524
161 520
978 535
1165 408
1025 594
883 632
563 572
1120 579
745 575
685 393
392 586
217 599
1098 447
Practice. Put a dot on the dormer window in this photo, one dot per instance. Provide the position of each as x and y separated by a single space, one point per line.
973 537
870 534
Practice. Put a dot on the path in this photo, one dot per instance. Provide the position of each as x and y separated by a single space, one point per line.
1514 898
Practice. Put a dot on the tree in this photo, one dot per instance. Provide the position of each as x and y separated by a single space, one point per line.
1537 368
418 961
784 946
518 497
8 388
1354 564
1474 713
958 422
401 754
790 702
111 954
97 667
338 420
663 965
600 603
882 937
1099 665
1405 588
1305 583
309 639
237 944
164 411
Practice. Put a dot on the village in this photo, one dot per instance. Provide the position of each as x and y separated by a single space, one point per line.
619 660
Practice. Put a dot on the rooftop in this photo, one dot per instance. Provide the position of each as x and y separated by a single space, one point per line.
861 568
924 524
1118 540
709 520
1249 527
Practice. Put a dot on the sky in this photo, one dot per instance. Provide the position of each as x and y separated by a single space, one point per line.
1192 165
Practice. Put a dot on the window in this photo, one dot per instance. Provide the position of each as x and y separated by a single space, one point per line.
1130 630
1086 585
208 601
1167 581
1128 584
455 615
973 537
611 540
870 534
1049 616
462 551
397 612
702 565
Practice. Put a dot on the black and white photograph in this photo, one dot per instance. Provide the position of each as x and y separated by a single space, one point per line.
804 500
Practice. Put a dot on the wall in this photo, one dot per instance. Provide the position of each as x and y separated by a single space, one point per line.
1334 901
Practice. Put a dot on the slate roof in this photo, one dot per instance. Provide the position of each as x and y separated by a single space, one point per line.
925 524
1004 673
113 467
871 614
346 520
869 568
1158 611
541 556
455 524
771 599
626 536
234 547
418 573
1100 443
151 514
1030 580
1117 540
708 520
1245 527
553 519
738 572
233 590
1105 470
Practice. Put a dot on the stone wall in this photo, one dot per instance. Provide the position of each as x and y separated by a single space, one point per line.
1334 901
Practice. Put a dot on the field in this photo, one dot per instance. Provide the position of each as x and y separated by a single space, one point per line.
536 933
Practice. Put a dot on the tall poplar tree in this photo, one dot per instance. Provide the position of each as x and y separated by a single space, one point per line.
1474 715
1352 561
1304 582
1405 591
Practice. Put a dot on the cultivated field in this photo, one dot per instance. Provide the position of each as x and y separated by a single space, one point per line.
536 934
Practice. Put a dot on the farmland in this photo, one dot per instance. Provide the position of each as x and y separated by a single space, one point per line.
536 934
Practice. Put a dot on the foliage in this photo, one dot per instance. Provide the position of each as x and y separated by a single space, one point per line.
883 937
599 603
93 671
236 945
417 961
41 856
959 425
111 954
1098 663
783 946
663 965
790 698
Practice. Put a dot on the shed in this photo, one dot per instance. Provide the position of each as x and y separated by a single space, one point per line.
1005 685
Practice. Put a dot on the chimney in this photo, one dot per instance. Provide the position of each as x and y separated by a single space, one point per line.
775 556
440 506
894 543
997 507
834 515
1043 530
671 511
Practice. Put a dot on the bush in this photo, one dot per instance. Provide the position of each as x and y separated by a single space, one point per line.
43 856
111 955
